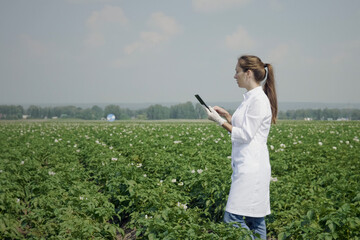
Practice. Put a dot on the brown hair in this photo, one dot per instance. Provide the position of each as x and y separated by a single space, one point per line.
253 63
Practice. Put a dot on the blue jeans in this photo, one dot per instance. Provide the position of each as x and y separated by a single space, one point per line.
256 225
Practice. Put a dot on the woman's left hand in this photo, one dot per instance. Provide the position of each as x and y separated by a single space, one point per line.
221 111
214 116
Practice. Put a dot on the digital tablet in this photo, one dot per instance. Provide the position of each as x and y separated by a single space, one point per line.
201 101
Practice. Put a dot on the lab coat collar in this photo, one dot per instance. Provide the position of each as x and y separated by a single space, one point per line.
252 92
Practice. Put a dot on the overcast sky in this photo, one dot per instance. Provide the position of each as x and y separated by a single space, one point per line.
114 51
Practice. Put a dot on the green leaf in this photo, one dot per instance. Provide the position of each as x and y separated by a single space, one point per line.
282 236
151 236
310 214
165 214
331 226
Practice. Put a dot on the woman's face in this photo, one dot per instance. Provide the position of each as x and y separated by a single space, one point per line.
240 76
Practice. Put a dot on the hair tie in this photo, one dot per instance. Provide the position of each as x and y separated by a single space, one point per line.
266 73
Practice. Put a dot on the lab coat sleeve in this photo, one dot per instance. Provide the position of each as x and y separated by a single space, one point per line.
253 118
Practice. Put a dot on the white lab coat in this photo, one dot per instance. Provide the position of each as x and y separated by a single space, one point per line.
249 193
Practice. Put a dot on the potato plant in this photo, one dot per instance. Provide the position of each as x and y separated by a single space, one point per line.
170 180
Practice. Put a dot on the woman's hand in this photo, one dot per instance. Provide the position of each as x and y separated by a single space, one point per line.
222 112
214 116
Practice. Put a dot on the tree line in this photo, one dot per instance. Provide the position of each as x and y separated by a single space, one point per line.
321 114
154 112
157 112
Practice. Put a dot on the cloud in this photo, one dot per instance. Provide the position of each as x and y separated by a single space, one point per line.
345 52
164 28
95 39
34 47
216 5
276 5
166 24
279 54
239 40
99 19
87 1
153 37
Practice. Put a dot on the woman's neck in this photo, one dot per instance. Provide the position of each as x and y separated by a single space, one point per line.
252 85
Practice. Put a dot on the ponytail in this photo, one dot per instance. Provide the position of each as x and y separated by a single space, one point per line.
270 91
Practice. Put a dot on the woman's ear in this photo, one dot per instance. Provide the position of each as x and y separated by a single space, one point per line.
249 73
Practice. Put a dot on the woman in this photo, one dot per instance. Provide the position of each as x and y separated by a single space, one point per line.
249 200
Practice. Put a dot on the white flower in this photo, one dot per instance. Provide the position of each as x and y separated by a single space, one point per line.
271 147
139 165
282 145
75 145
192 171
56 140
146 216
51 173
78 150
181 184
182 205
111 148
173 180
199 171
114 159
22 163
334 148
81 198
1 171
273 179
347 142
320 143
145 175
177 142
18 200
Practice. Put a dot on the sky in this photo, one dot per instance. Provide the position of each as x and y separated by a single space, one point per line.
161 51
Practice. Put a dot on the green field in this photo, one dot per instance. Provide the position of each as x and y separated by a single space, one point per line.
170 180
